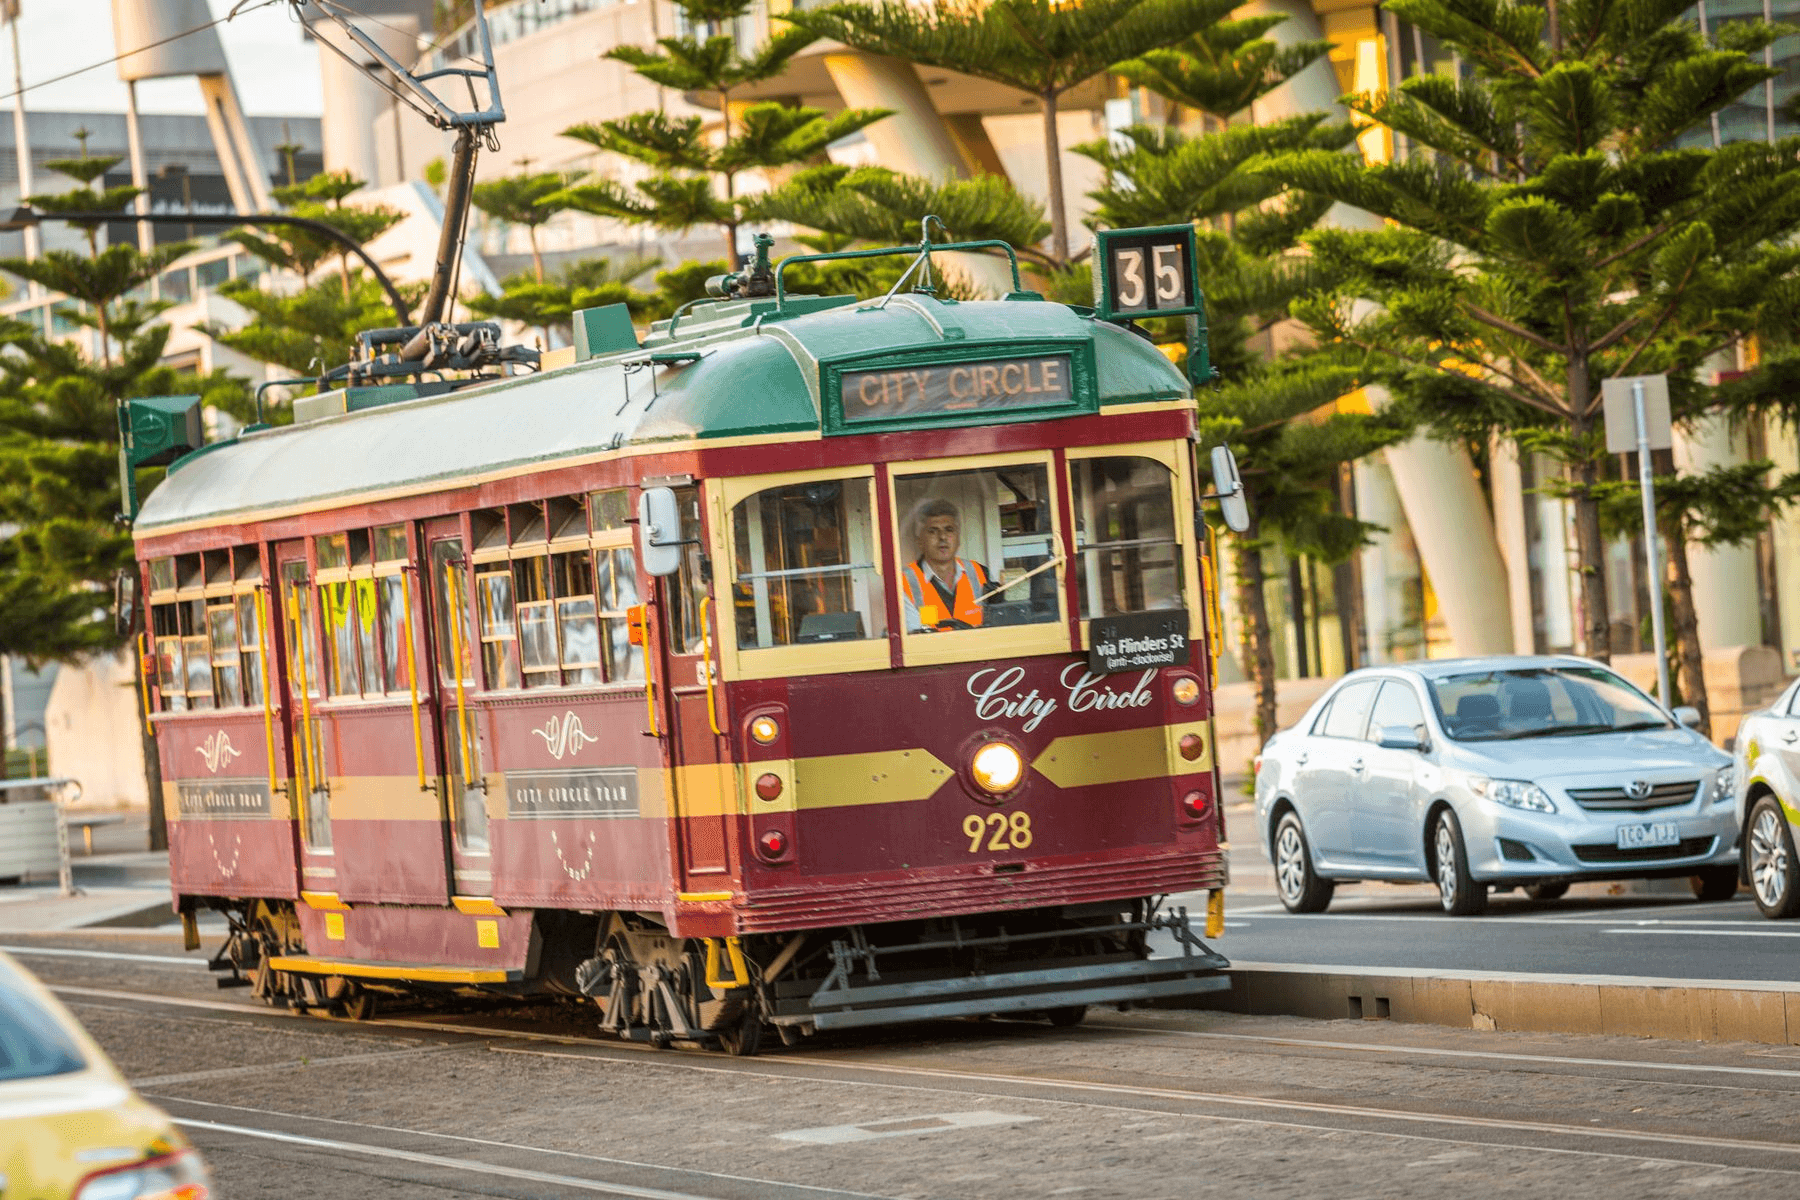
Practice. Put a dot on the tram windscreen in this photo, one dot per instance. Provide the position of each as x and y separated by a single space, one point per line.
804 569
977 548
1128 559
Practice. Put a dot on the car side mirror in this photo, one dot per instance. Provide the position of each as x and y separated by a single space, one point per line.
1400 737
659 532
1687 715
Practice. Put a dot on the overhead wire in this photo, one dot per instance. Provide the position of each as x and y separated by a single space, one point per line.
236 9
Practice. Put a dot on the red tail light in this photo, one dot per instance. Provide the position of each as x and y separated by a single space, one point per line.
1195 805
773 843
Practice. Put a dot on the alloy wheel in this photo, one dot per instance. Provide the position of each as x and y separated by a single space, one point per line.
1768 859
1290 863
1446 863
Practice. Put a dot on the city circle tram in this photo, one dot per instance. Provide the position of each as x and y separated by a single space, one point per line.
814 664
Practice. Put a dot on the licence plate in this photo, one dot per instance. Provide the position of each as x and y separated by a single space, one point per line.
1650 833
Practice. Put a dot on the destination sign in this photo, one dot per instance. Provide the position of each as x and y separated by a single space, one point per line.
223 799
1138 641
586 792
941 389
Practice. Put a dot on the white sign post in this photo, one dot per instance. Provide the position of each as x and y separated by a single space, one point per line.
1637 418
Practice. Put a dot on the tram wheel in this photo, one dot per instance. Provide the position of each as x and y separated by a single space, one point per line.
1068 1016
743 1038
360 1006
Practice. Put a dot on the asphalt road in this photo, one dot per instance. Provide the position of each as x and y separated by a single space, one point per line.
424 1104
1639 930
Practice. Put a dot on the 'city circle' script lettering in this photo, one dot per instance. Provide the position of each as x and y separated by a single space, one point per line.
999 696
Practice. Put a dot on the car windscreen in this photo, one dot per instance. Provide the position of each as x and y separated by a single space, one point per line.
1531 702
32 1042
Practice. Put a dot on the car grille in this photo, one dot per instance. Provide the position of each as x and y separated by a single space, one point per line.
1614 799
1602 852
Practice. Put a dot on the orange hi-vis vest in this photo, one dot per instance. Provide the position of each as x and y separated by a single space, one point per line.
971 581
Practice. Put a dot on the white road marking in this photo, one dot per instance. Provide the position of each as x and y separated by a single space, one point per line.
868 1131
489 1142
1766 933
57 952
293 1064
1555 1060
468 1165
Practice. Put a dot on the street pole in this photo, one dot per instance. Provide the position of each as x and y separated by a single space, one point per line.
1647 485
21 139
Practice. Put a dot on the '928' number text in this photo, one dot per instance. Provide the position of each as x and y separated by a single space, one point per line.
1001 831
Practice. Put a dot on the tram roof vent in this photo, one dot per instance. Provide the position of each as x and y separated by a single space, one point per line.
603 330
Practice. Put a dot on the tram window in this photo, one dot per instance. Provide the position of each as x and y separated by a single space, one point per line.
162 574
499 633
216 565
293 578
171 663
688 587
615 590
568 519
527 521
490 528
536 622
577 625
609 510
451 592
394 622
391 544
804 565
337 604
331 551
1128 559
359 547
250 647
187 571
197 658
978 548
222 634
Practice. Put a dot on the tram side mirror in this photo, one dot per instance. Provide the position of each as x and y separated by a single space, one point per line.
1228 486
659 531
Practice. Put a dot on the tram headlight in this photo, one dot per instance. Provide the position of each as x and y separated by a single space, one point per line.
1186 690
997 767
765 730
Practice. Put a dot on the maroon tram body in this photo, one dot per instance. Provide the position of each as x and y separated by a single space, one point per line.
411 737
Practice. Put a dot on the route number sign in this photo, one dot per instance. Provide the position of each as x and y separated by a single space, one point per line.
1146 273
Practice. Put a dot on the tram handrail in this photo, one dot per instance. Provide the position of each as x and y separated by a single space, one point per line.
412 678
923 249
306 718
143 642
262 647
706 663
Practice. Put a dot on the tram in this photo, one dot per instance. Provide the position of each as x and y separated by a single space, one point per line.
812 663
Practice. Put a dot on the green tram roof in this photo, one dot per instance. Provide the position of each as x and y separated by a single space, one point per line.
757 372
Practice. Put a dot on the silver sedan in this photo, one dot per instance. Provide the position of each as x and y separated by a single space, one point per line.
1513 771
1768 767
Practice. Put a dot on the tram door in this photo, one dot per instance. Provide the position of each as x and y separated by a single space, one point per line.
691 709
293 614
456 721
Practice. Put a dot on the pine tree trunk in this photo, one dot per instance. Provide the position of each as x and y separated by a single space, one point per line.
102 319
153 781
1258 647
1692 663
1059 218
1590 544
537 261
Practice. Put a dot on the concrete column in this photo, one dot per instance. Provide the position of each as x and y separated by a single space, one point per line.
1509 532
915 140
134 142
1389 568
357 110
1455 535
1724 578
1784 450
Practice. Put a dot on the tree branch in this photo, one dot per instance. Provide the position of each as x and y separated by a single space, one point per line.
1505 326
1518 397
1635 246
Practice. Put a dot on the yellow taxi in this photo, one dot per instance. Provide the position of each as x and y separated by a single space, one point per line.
71 1128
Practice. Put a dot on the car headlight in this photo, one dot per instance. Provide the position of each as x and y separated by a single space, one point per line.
178 1176
1724 786
1514 793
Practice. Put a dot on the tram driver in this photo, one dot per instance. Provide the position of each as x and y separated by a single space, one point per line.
942 590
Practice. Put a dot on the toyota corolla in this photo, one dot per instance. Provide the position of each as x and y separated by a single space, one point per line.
1504 772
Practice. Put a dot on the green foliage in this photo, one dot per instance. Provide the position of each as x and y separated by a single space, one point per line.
1725 506
1546 234
1222 69
310 330
518 199
587 284
321 199
884 208
1044 47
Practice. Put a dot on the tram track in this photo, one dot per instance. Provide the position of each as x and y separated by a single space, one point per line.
865 1067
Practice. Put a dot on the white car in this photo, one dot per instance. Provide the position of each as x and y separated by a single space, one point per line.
1508 771
1768 771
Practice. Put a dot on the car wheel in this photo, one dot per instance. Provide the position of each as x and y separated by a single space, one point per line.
1300 888
1547 891
1714 883
1458 891
1774 872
